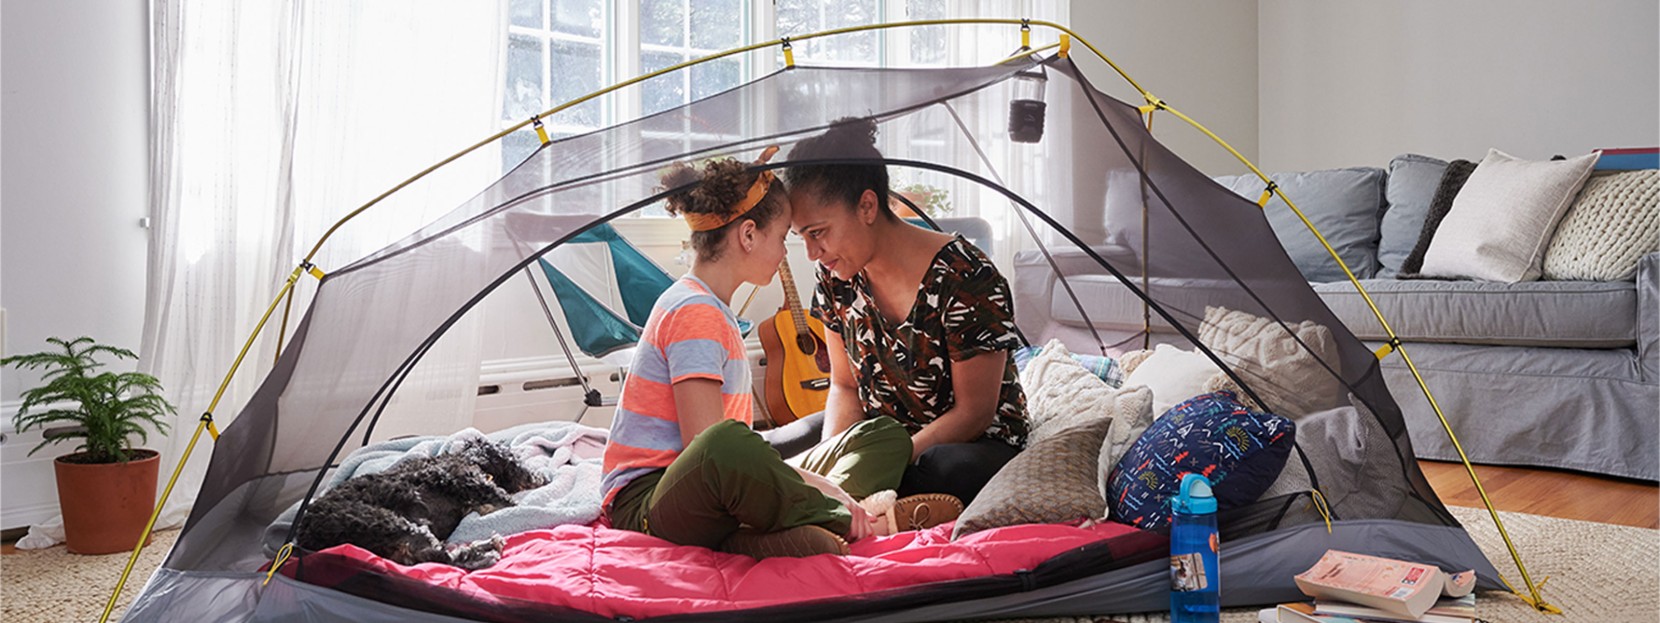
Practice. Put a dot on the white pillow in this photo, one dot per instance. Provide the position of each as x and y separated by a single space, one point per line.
1502 220
1174 375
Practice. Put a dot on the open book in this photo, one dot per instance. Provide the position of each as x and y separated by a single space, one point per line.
1404 589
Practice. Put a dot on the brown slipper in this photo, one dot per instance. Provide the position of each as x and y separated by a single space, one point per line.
923 511
797 542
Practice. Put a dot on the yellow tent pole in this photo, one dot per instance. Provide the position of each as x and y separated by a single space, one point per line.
206 423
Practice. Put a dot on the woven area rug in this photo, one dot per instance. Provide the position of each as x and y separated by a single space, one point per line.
1597 572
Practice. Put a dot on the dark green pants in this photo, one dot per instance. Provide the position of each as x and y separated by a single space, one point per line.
730 477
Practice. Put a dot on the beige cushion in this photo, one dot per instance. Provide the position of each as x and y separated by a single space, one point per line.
1173 374
1503 218
1053 480
1132 414
1061 393
1613 224
1268 357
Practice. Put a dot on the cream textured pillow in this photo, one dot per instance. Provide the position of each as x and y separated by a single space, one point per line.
1052 481
1173 374
1290 378
1503 218
1613 224
1133 413
1059 388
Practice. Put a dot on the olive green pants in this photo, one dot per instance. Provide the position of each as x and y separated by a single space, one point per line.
728 477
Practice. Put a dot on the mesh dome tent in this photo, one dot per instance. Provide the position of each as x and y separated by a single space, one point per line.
371 323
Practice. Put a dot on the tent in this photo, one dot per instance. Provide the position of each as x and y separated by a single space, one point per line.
371 323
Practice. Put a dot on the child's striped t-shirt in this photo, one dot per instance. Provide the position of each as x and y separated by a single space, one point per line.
691 334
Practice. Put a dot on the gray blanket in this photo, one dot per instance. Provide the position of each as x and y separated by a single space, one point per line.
566 453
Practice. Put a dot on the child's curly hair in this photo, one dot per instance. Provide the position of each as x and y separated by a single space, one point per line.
717 190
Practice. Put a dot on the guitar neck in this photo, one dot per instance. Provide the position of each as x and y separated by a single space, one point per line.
791 300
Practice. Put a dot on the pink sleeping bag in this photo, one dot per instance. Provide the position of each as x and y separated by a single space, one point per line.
618 573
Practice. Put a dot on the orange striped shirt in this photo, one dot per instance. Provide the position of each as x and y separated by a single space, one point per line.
691 334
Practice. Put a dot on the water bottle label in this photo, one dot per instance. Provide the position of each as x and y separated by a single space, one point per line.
1187 573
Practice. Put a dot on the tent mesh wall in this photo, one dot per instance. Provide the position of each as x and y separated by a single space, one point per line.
1097 181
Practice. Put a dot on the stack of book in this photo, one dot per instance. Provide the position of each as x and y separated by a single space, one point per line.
1354 588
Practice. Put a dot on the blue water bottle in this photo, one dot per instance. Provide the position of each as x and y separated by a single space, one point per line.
1195 578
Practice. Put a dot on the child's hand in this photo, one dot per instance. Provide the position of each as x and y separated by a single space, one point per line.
861 526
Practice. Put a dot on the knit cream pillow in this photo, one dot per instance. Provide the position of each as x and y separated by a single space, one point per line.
1503 218
1613 224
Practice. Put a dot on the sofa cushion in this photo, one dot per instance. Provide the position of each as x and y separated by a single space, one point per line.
1578 314
1503 218
1344 204
1409 189
1452 181
1613 224
1109 304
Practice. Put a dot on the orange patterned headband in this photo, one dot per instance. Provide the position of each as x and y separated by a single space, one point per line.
757 192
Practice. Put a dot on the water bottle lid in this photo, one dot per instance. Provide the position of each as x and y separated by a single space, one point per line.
1196 497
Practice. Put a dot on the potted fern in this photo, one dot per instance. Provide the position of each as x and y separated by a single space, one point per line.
106 488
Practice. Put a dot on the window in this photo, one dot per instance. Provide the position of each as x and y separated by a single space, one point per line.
559 50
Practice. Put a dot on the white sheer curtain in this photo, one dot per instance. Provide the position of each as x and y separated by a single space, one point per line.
269 122
983 45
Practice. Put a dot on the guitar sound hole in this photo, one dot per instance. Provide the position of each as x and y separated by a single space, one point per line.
806 343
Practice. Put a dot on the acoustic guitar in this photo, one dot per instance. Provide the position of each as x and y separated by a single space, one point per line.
797 377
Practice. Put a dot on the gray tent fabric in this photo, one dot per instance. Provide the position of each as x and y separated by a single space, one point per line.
1101 182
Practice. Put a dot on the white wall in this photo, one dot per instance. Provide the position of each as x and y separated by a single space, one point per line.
74 97
1356 83
1200 57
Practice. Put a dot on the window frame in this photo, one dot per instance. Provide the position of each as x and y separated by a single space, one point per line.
622 48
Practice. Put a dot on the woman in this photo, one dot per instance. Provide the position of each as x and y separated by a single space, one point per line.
682 463
925 320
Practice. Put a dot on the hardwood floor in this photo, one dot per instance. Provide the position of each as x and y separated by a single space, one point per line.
1553 493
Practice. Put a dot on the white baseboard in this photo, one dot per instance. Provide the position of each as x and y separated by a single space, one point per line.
28 486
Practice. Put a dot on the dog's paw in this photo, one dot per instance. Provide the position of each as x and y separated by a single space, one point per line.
478 554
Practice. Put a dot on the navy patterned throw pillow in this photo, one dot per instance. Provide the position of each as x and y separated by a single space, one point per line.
1241 451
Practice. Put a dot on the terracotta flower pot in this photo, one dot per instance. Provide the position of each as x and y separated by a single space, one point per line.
105 505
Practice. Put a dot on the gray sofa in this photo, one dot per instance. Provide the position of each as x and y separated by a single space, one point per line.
1561 374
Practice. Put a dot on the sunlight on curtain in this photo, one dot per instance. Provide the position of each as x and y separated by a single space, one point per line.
272 120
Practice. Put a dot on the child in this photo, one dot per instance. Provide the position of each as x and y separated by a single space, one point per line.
682 462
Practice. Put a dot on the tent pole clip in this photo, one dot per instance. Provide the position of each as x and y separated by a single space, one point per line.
1388 347
541 131
308 267
207 417
1025 34
789 52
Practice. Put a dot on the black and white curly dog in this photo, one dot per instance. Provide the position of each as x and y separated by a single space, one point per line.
405 513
